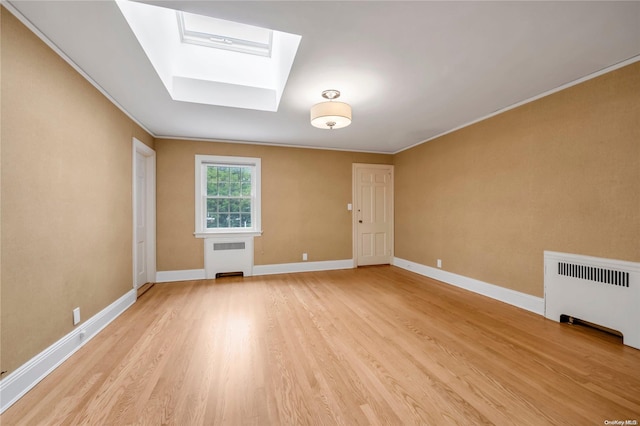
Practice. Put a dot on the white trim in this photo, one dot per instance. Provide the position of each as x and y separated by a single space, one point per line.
521 300
271 144
150 193
608 69
19 382
288 268
279 268
15 12
599 261
180 275
232 234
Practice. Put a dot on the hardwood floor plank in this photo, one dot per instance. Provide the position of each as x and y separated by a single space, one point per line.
376 345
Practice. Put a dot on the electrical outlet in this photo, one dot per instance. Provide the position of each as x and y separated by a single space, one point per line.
76 316
304 256
439 263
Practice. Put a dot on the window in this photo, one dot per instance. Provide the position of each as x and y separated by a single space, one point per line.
217 33
227 195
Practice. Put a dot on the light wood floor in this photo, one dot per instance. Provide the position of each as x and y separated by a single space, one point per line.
375 345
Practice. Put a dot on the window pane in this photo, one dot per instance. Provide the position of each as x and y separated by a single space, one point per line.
245 206
246 174
212 179
223 189
235 174
223 220
235 189
234 220
246 220
212 206
234 205
212 220
223 174
212 217
246 189
223 205
212 173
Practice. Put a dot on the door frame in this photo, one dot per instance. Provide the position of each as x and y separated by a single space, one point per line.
150 195
354 216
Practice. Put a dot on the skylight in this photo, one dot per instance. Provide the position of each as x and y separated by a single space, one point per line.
206 60
220 34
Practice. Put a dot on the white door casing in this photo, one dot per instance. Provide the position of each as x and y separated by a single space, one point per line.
141 219
373 214
144 215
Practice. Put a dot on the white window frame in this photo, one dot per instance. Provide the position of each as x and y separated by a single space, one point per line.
201 230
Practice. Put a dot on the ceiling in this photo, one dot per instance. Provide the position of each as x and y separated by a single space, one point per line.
410 70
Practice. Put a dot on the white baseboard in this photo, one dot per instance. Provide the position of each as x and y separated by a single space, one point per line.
521 300
287 268
280 268
19 382
181 275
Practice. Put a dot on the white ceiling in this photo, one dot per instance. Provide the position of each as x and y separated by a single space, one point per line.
410 70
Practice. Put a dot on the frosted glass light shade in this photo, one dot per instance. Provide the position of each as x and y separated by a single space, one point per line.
330 115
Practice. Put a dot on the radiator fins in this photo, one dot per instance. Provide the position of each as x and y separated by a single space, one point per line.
591 273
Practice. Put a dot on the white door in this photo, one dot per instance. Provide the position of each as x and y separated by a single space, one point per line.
373 214
141 220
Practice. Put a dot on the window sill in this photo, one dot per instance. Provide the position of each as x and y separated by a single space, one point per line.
227 234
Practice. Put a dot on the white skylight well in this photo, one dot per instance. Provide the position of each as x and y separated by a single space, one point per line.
206 60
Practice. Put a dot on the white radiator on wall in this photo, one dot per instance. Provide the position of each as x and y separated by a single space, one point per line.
601 291
228 255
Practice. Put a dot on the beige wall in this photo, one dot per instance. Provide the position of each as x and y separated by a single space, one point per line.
66 196
304 202
561 173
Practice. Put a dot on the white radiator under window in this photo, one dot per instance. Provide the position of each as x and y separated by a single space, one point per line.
604 292
224 255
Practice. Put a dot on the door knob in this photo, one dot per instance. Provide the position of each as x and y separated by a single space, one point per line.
359 221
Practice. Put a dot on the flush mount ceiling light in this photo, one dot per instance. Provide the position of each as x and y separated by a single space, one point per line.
331 114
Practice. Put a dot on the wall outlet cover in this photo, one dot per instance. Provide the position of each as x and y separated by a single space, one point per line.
76 316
